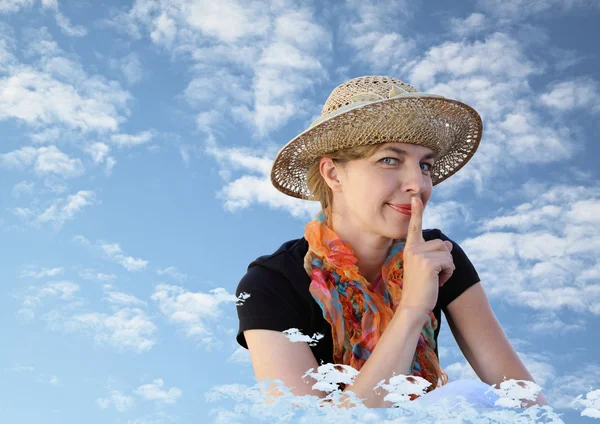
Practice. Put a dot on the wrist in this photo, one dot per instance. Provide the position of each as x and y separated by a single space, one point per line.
409 312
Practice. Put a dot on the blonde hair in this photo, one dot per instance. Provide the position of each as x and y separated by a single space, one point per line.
316 183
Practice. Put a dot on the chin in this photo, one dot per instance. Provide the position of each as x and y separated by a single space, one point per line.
398 234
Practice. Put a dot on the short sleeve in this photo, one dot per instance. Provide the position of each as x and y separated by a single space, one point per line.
272 303
463 277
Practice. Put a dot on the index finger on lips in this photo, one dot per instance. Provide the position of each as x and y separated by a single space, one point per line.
415 225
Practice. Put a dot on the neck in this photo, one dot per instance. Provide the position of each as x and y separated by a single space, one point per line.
370 249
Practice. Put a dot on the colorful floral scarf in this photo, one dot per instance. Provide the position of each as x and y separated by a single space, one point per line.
358 313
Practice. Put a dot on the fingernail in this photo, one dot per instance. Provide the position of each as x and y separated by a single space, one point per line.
414 201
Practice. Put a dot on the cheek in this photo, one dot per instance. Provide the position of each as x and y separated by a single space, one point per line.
372 198
370 191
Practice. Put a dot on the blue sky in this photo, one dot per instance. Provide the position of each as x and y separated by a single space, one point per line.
136 146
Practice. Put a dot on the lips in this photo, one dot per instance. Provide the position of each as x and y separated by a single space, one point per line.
403 206
405 209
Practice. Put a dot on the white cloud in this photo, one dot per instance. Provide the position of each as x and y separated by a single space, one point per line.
548 322
50 379
581 93
492 76
444 352
132 68
29 272
119 400
240 356
220 90
55 184
328 375
11 6
67 28
227 20
20 368
185 156
64 290
173 272
517 10
540 254
126 329
45 161
460 370
369 30
283 58
52 160
247 190
19 158
110 164
90 274
239 158
81 240
590 402
567 387
46 135
279 84
250 404
499 56
154 391
192 310
446 214
114 253
23 187
382 50
28 92
62 210
120 298
472 24
132 140
93 104
295 335
23 213
97 151
165 30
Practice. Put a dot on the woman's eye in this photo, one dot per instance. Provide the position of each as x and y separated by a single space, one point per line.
388 163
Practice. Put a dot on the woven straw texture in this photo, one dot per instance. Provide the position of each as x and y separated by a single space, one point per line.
450 128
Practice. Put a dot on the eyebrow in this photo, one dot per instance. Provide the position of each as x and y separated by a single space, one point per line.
405 153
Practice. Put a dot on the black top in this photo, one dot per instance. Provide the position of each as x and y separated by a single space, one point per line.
280 299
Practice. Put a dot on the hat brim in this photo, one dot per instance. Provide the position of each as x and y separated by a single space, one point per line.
450 128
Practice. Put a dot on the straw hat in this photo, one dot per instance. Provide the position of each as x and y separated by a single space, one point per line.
378 109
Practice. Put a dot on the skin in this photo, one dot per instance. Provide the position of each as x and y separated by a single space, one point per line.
361 190
361 217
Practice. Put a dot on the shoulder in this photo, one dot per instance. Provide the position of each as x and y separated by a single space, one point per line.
275 289
291 249
273 270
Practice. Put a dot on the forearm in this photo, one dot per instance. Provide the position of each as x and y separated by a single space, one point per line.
392 355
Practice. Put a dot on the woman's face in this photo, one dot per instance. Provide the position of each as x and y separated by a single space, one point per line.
368 186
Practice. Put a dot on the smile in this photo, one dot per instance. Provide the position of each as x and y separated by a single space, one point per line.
399 209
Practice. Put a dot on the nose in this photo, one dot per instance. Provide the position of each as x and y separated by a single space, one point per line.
413 179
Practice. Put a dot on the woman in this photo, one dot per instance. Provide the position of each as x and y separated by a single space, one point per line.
365 275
